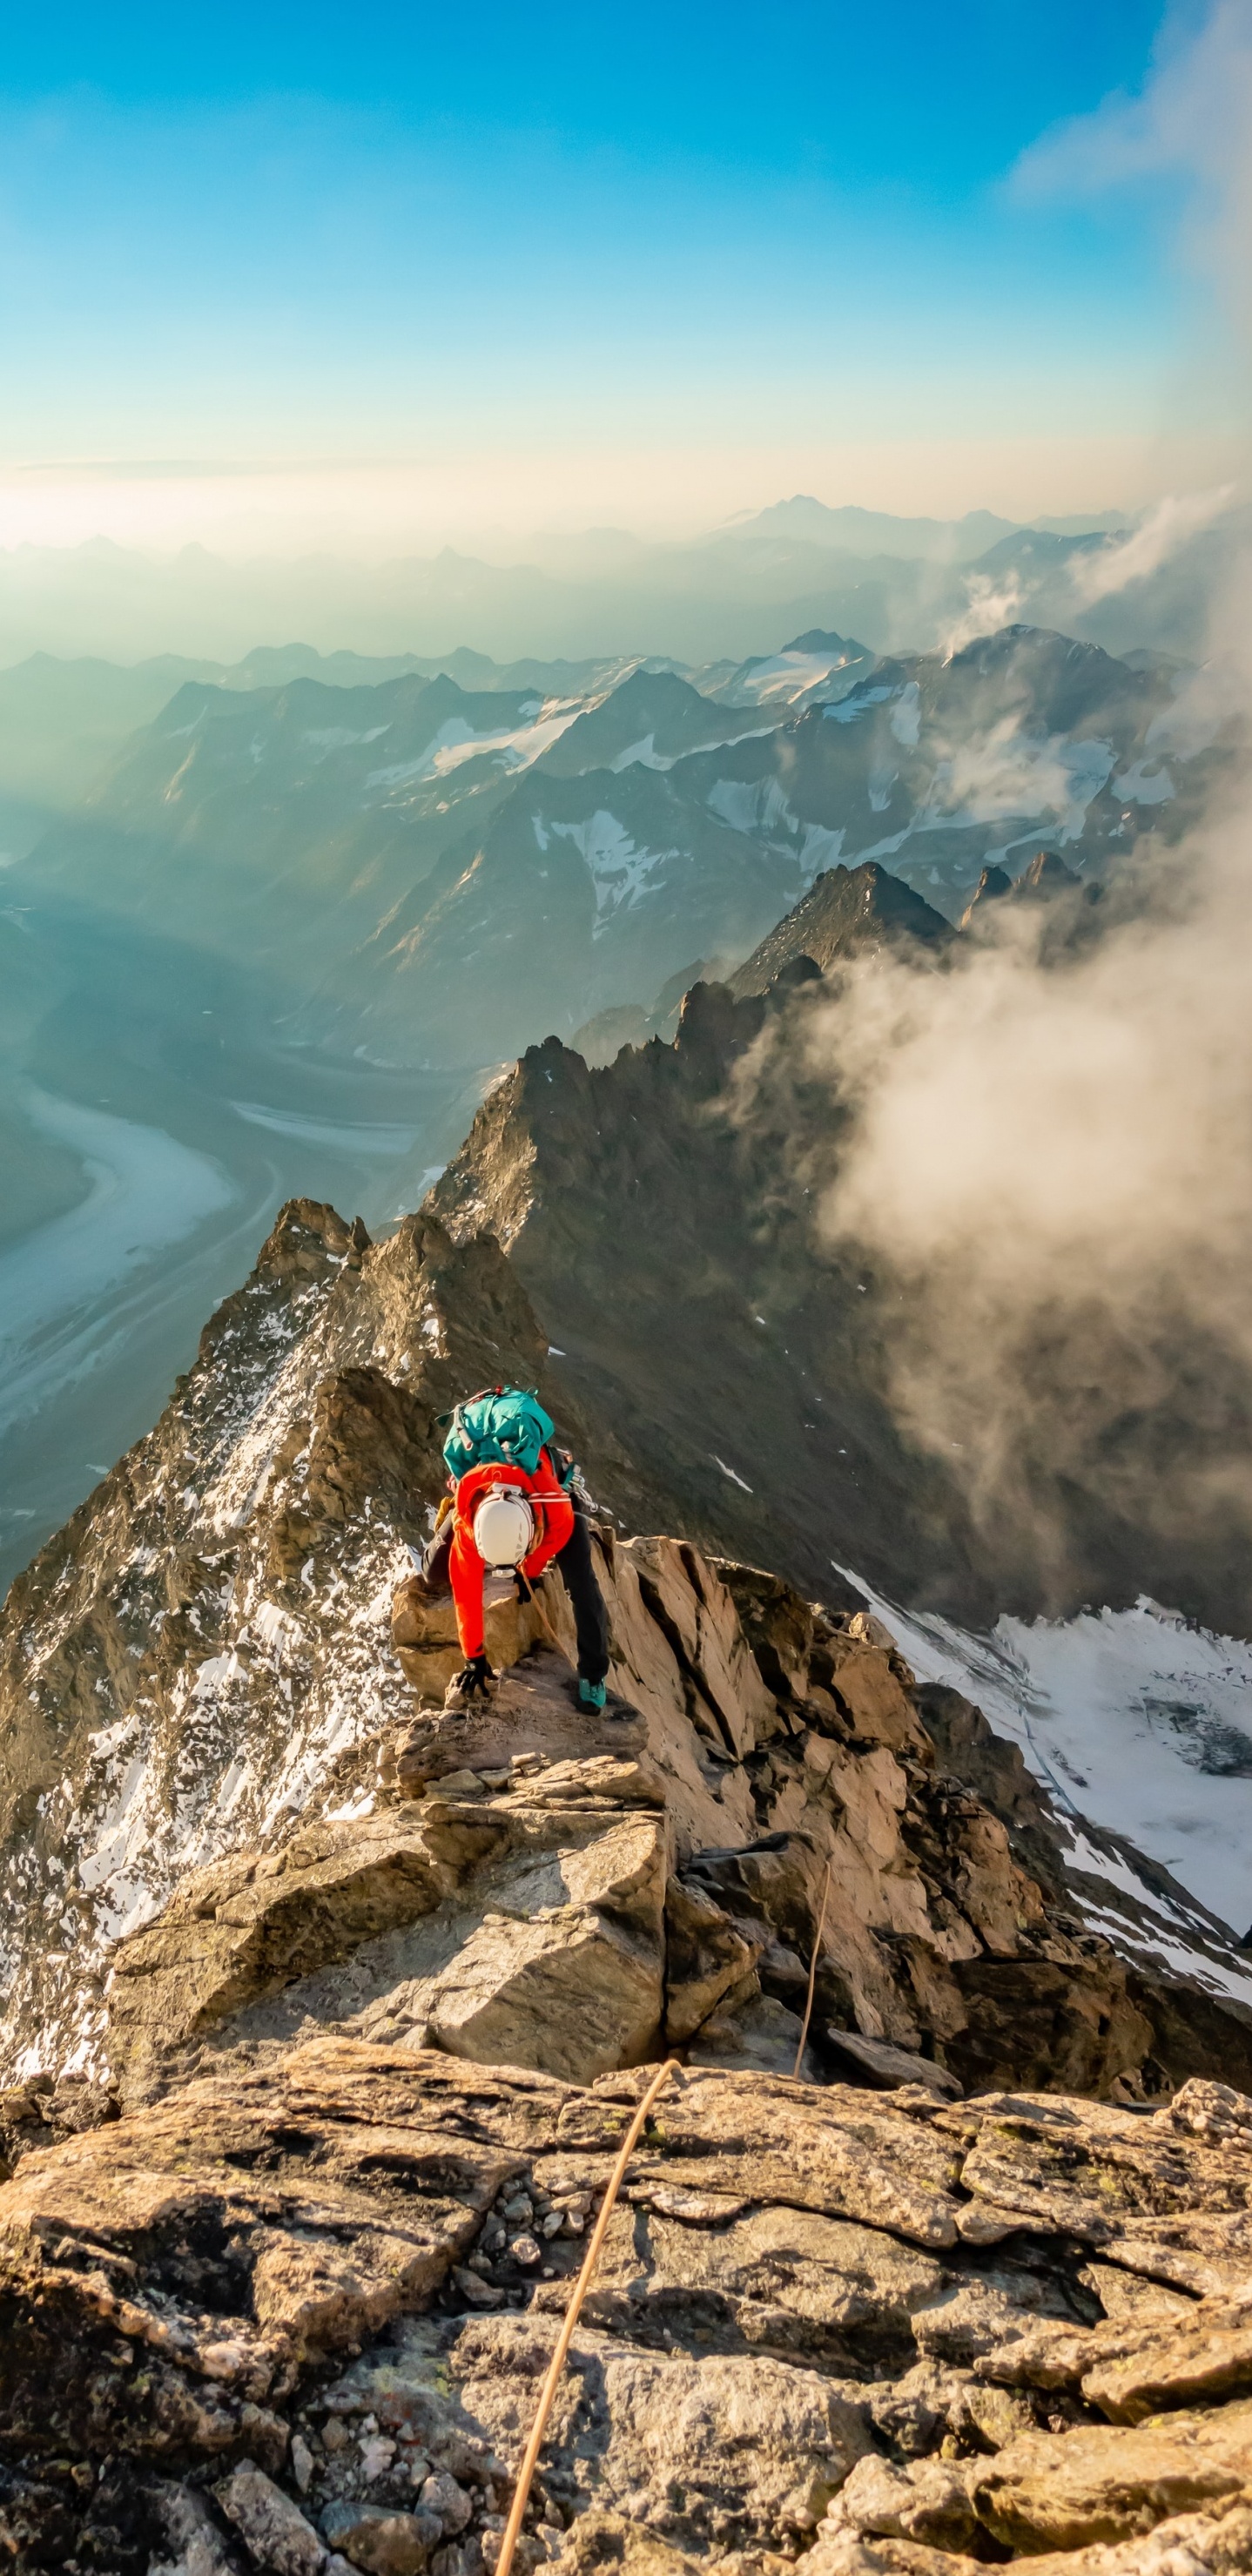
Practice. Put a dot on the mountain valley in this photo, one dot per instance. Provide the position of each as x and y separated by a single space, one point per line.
323 2011
306 913
324 2007
409 858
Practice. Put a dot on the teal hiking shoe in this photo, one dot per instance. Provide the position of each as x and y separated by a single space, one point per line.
592 1695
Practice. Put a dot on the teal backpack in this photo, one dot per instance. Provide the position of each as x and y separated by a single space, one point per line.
501 1426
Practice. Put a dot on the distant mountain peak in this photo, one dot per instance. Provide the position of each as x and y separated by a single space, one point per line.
850 529
846 912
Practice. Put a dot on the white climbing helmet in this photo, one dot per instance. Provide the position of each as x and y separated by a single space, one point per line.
504 1526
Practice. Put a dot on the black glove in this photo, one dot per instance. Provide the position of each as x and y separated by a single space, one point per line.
474 1679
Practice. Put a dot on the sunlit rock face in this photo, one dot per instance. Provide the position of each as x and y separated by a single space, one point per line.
327 2008
208 1658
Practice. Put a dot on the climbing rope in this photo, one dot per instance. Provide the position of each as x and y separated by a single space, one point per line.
530 2456
536 1604
817 1951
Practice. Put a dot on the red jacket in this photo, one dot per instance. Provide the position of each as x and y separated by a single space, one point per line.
554 1517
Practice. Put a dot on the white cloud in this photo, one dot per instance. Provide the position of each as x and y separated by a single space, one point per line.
991 605
1192 116
1160 534
1191 125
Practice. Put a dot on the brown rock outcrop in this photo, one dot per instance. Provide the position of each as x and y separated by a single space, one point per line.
313 2292
280 2271
198 1671
540 1889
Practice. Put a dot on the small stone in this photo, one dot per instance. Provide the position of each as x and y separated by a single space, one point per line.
554 2222
382 2542
274 2530
518 2211
478 2293
441 2494
524 2250
335 2434
301 2462
377 2455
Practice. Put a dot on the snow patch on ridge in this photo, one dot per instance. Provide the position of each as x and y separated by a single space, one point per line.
456 742
619 869
1135 1720
781 678
760 806
1142 784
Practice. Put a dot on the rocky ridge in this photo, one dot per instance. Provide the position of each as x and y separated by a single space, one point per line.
682 1182
847 912
528 1888
282 2298
325 2012
201 1658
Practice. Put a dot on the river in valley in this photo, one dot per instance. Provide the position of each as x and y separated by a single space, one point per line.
160 1078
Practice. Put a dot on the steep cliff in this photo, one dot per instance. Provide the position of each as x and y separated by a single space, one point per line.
279 2293
202 1658
666 1240
662 1215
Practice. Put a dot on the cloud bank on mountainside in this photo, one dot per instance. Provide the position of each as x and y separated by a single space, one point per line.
1047 1152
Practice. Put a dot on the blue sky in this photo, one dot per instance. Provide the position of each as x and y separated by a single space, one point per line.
574 262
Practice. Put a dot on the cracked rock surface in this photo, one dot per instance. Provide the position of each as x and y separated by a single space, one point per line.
283 2297
306 2304
327 2012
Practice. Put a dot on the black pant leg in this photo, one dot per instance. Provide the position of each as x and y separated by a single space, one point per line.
591 1619
436 1553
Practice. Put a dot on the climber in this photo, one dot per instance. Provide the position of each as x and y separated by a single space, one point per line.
515 1502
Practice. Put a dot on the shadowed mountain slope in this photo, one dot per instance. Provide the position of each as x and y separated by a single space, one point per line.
661 1212
735 1370
327 2009
423 857
849 912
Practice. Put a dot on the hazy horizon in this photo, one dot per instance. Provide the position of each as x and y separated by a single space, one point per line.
284 291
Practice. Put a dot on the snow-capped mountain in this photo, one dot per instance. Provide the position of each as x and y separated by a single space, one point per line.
942 765
814 667
414 860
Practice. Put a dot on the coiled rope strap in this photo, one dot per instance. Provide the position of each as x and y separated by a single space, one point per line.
530 2456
